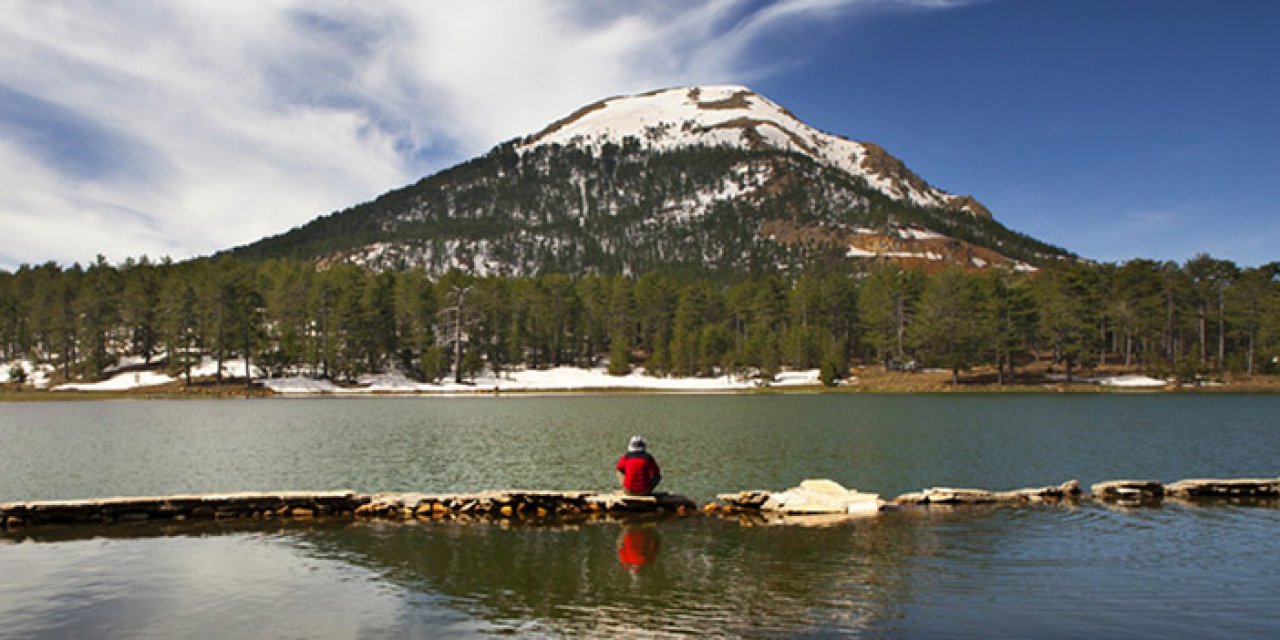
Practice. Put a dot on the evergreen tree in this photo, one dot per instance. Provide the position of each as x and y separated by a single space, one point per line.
622 326
180 319
1136 305
99 306
456 315
595 294
417 310
1008 318
619 355
714 344
1210 279
655 303
947 331
1069 303
380 336
1246 306
886 304
141 302
835 366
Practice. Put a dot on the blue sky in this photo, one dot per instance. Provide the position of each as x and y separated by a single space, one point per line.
1113 128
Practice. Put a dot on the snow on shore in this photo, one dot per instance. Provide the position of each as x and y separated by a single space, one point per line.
37 375
547 380
207 368
300 384
231 368
557 379
1132 381
119 382
1128 380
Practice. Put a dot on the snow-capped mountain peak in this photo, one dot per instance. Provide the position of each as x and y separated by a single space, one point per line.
711 179
733 115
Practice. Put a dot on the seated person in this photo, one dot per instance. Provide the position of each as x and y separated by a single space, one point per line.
637 470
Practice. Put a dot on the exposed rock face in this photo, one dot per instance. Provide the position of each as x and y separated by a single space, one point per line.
905 245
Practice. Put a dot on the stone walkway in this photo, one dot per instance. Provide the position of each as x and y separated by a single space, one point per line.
569 505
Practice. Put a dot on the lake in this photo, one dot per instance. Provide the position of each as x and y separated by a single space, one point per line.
1062 571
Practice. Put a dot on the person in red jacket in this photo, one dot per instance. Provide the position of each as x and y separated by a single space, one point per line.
637 470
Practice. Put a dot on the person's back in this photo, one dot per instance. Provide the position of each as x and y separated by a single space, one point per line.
637 470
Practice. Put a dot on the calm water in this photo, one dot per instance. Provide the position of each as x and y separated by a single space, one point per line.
1090 571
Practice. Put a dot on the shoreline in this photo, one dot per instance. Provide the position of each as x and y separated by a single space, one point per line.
239 392
572 381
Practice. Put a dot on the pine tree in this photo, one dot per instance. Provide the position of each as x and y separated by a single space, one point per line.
714 344
180 320
456 317
141 300
619 355
622 326
1069 303
1136 305
834 367
886 305
1210 279
1246 303
947 330
99 306
379 333
1008 318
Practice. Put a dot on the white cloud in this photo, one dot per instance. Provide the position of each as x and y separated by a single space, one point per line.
183 128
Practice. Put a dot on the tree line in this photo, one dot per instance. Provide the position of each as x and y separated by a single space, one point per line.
1203 317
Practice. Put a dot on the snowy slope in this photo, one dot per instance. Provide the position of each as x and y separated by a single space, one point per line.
717 178
736 116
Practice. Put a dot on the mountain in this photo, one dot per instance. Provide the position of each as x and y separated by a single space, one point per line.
713 178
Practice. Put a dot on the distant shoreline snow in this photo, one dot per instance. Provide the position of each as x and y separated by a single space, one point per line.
556 380
559 379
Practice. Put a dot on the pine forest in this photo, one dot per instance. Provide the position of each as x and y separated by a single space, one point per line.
1203 318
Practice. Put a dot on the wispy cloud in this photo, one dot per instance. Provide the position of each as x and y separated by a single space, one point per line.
182 128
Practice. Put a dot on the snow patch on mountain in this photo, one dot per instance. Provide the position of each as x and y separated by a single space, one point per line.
732 115
744 179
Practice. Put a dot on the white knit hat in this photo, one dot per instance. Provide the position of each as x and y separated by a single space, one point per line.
637 444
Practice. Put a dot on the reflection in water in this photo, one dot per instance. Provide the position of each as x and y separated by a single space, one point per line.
637 546
737 579
1178 570
1171 571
